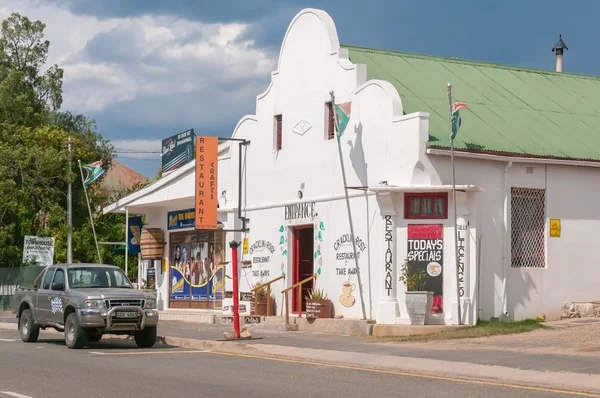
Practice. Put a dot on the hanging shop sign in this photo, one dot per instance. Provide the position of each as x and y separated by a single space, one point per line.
207 161
425 251
177 150
180 219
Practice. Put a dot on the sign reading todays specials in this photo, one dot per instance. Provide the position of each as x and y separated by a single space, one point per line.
207 162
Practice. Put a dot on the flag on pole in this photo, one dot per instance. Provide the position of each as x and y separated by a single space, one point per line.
94 172
341 120
456 120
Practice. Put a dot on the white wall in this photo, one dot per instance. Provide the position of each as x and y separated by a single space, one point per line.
571 261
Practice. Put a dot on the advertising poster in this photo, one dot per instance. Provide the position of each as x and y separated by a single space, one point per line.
178 150
180 286
425 251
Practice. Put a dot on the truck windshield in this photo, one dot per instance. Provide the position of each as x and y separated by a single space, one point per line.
82 278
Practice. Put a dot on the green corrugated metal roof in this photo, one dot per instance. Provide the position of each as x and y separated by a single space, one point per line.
511 110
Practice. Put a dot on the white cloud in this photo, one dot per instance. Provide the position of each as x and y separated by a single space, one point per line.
152 69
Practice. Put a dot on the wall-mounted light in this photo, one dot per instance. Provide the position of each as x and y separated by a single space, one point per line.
300 194
223 193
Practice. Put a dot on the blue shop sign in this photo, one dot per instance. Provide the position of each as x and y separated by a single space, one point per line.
181 219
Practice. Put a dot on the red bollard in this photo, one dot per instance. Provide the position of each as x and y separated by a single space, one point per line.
236 294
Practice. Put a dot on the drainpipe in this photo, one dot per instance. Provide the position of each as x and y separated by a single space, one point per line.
506 248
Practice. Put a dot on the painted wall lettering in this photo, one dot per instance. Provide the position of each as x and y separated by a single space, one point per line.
300 211
462 228
344 243
388 254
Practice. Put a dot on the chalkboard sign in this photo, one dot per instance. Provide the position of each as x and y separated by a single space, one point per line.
246 296
229 294
318 309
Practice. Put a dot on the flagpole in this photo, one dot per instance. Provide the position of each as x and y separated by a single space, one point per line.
458 311
339 145
90 211
69 212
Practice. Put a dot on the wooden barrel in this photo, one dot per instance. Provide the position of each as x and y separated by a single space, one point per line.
152 243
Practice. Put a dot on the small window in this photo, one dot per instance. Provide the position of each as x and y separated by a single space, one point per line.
278 132
330 121
528 227
48 279
59 278
426 205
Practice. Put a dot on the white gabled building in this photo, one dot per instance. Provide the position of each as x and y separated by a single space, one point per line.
515 171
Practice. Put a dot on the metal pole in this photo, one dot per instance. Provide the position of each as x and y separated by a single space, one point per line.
353 237
236 294
69 212
458 312
126 240
90 211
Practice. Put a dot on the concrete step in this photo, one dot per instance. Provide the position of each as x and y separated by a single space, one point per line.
187 316
277 319
348 327
281 327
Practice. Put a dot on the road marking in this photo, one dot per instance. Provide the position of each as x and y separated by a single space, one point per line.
419 375
8 340
158 352
14 394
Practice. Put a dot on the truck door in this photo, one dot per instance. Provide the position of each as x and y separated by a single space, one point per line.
43 297
56 296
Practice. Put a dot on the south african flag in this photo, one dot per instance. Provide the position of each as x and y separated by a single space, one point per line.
456 120
94 172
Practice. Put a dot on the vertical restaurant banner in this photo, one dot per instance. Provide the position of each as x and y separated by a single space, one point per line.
207 161
180 287
177 150
462 229
133 234
425 251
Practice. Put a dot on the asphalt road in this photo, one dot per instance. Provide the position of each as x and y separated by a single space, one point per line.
115 368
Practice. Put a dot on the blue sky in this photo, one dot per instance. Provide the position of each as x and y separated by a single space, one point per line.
147 69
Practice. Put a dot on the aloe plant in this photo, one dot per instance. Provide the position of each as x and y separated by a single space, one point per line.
317 294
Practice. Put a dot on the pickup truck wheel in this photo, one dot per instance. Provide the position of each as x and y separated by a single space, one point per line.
146 338
28 330
75 335
94 336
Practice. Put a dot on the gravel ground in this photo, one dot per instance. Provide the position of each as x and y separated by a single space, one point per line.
568 337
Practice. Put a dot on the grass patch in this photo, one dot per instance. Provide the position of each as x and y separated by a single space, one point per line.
482 329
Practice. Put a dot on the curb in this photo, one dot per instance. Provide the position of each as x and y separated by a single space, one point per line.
409 366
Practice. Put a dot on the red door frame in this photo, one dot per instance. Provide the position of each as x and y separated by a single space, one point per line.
296 263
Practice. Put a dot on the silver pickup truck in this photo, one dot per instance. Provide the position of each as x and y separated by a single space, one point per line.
85 301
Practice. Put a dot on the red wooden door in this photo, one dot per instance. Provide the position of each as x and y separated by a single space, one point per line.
302 263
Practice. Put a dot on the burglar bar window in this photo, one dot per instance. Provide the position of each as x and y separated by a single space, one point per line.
330 122
426 205
527 227
278 132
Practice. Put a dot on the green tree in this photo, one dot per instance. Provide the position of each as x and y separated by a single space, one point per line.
33 154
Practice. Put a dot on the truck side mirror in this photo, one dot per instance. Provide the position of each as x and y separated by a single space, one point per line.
58 286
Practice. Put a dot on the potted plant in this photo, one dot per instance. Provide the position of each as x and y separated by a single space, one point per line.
261 302
418 300
318 305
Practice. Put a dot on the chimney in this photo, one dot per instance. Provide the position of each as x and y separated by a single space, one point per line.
558 49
